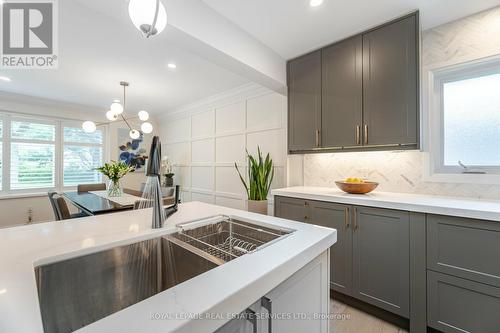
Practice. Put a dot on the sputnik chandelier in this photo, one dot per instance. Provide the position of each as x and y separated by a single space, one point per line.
116 113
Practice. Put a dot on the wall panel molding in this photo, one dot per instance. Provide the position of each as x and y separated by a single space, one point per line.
205 139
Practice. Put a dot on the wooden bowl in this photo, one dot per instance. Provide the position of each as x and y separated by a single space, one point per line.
357 188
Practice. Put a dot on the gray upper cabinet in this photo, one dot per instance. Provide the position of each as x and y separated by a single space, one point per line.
304 102
342 94
381 251
390 96
358 94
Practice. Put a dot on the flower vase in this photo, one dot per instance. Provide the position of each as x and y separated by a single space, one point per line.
114 188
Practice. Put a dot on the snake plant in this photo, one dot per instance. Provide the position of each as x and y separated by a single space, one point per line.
260 176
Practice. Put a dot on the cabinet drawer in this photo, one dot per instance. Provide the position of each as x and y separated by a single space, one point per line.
464 247
456 305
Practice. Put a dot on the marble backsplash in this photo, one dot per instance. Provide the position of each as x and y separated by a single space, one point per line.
395 171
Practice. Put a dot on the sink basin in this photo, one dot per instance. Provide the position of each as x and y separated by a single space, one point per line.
79 291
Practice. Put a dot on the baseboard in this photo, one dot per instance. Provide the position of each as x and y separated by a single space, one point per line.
387 316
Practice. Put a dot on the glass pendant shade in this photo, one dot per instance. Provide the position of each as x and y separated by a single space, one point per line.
116 108
134 134
110 115
142 13
89 127
143 115
146 128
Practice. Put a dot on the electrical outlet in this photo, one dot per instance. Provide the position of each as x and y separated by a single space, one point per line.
30 215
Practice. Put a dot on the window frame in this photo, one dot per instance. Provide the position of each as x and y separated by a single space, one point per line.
8 117
437 170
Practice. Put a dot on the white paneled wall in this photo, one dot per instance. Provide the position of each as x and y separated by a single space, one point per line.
204 141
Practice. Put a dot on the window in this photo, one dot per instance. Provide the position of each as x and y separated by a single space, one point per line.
41 154
83 152
32 155
465 119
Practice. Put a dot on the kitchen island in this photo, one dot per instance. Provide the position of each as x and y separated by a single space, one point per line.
202 304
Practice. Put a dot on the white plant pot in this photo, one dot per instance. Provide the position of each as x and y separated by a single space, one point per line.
259 207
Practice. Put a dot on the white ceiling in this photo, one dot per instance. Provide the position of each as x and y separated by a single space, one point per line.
99 46
292 28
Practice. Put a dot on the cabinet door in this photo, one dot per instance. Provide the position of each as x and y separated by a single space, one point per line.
390 84
342 91
457 305
304 102
338 217
381 258
301 303
290 208
463 247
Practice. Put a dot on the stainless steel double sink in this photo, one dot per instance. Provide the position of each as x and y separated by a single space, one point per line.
79 291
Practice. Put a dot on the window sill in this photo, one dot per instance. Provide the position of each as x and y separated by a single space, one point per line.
485 179
22 195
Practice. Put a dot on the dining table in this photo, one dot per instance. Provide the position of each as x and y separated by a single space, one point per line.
98 202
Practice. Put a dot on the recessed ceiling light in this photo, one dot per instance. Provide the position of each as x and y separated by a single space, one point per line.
172 65
5 79
315 3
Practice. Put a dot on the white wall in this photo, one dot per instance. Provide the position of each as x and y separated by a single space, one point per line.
204 141
15 210
470 38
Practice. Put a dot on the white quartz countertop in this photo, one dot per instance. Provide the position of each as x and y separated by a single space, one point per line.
452 206
227 289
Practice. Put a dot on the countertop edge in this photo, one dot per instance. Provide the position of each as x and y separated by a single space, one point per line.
428 204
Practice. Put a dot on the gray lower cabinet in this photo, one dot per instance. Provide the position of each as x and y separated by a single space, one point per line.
381 265
291 208
465 248
456 305
463 274
454 263
370 260
338 217
304 102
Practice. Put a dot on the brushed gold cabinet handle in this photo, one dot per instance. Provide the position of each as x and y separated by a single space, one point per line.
366 134
355 227
358 135
346 218
317 138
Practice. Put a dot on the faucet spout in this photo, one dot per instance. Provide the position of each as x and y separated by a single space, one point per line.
160 214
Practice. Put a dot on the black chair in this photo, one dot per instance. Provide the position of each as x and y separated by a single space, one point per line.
61 210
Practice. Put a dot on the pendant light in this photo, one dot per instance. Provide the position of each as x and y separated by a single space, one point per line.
149 16
116 111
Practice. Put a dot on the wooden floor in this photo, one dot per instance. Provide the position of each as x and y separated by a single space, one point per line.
350 320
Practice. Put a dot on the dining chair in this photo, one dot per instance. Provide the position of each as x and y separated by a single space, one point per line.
60 207
91 187
167 201
133 192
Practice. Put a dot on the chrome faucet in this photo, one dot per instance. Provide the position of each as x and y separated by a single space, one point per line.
159 213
